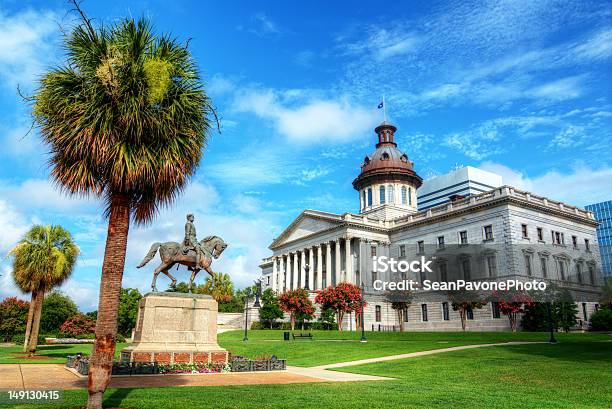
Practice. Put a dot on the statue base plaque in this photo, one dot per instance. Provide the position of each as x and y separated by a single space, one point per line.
174 328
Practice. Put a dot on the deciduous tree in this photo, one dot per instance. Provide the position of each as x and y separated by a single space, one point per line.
296 303
342 299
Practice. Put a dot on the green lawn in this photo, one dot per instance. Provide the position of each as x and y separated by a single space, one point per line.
332 346
576 373
46 354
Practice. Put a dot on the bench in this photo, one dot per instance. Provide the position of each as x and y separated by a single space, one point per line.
302 335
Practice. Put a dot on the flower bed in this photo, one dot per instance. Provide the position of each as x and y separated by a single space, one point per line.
194 368
242 364
69 340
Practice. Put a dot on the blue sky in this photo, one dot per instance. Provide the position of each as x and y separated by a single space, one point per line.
522 88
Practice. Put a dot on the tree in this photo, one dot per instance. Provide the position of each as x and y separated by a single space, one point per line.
13 317
270 309
566 314
342 298
535 318
296 303
465 301
57 308
128 309
602 320
76 325
326 317
42 259
219 286
400 301
512 304
126 119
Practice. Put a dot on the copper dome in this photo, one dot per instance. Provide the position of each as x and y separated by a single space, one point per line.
387 163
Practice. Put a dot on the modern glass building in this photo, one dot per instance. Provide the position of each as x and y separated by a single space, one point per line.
603 214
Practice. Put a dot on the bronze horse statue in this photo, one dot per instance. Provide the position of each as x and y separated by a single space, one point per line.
171 253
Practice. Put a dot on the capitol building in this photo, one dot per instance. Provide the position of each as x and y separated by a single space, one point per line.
488 232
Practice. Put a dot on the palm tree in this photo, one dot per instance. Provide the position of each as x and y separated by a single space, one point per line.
220 286
43 259
126 119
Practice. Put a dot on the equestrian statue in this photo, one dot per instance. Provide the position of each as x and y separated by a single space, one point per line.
196 255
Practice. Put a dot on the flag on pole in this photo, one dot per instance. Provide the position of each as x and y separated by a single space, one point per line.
381 105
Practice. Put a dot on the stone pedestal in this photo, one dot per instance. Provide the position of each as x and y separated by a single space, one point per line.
175 328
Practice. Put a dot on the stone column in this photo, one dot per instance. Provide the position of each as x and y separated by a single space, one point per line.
296 265
274 273
288 272
319 267
338 262
348 260
303 269
328 265
311 269
281 275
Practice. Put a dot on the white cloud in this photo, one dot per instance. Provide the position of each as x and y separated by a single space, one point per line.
263 25
308 119
579 185
27 39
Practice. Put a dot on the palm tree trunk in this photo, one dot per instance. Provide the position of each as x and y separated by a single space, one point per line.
29 323
33 339
101 362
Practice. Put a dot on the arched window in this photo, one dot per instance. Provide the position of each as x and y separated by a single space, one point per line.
385 156
390 194
409 197
364 198
382 194
369 196
404 195
378 314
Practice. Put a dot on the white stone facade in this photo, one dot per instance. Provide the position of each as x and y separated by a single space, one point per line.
320 249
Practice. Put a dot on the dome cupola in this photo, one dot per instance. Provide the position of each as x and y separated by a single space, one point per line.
387 178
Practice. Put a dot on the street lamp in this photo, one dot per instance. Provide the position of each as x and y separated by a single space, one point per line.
552 339
363 337
256 304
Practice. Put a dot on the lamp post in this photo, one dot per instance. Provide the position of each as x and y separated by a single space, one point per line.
256 304
363 337
552 339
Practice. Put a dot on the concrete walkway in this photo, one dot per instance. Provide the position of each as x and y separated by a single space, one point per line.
56 376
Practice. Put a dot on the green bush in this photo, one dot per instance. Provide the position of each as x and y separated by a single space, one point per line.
602 320
18 339
57 308
257 325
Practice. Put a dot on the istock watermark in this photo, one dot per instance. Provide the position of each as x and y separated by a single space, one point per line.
459 285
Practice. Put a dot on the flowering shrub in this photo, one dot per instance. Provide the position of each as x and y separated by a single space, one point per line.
194 368
511 304
13 316
79 324
342 298
296 303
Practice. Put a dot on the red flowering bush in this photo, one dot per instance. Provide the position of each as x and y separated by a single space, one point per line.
13 317
511 304
79 324
342 298
296 302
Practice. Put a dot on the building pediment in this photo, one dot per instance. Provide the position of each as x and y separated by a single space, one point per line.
307 223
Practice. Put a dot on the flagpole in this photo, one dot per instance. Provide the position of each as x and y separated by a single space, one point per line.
384 108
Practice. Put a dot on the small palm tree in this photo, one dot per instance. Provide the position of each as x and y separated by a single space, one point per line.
126 119
43 259
220 287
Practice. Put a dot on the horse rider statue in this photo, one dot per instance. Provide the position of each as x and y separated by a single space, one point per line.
190 242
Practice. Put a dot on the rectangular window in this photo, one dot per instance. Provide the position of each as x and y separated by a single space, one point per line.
390 194
557 239
440 242
370 197
584 311
445 311
404 195
402 250
592 274
587 245
561 266
373 251
495 309
492 265
378 317
488 232
528 264
420 247
424 312
374 276
467 269
443 274
405 314
540 234
365 203
524 231
544 265
463 238
575 242
579 272
409 197
381 196
470 313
